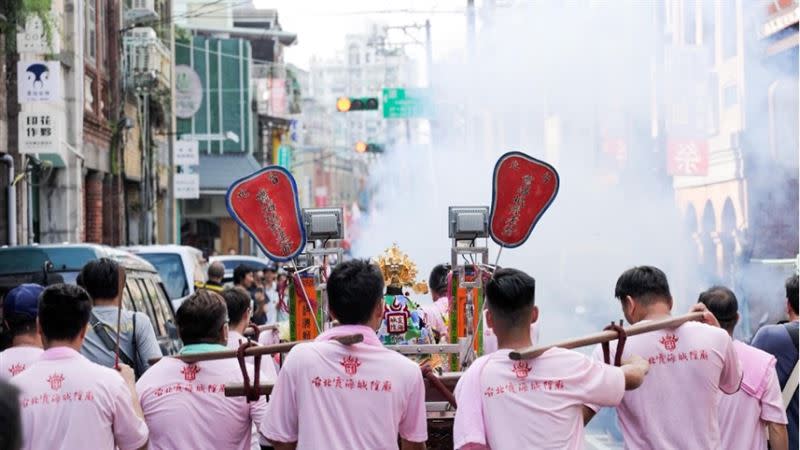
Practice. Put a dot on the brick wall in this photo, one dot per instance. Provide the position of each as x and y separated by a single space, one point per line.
93 201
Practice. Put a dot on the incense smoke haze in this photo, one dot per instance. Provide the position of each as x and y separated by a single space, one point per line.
557 78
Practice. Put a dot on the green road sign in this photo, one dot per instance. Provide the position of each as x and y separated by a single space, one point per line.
401 103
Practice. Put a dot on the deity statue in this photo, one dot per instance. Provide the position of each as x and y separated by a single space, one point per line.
402 319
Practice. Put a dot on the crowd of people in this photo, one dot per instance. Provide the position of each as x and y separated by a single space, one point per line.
689 387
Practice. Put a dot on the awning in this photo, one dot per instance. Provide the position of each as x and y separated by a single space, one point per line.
217 172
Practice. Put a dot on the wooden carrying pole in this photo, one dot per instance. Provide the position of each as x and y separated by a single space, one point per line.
606 336
284 347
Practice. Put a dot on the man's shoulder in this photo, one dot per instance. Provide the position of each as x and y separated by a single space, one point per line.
771 333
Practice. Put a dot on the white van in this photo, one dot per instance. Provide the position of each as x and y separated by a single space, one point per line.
179 266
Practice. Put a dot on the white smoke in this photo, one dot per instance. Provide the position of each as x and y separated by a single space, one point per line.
552 78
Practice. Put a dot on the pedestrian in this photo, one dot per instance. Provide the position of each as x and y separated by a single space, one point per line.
216 272
185 404
237 301
329 395
676 406
270 286
20 308
104 280
781 342
548 392
435 315
67 401
259 295
755 413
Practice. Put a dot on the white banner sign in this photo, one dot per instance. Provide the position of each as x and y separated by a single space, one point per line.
39 132
187 153
187 185
38 81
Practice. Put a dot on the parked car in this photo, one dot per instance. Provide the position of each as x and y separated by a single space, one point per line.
180 266
50 264
233 261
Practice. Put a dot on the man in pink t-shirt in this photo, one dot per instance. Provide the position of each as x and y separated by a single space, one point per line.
435 315
185 404
537 403
20 308
676 406
67 401
332 396
755 413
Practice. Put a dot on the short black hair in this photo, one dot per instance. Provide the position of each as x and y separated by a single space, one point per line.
511 295
63 311
240 273
100 278
438 279
722 303
237 300
201 317
354 288
791 292
645 284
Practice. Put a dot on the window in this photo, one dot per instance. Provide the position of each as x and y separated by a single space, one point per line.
103 42
170 268
709 29
90 37
729 29
353 58
730 96
136 295
690 22
154 306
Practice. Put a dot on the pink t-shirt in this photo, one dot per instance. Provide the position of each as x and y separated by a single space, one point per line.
675 408
185 405
16 359
536 403
332 396
743 416
68 402
435 315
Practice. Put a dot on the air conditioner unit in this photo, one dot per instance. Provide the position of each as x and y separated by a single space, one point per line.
141 11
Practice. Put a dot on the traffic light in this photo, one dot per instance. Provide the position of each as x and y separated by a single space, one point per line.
364 147
347 104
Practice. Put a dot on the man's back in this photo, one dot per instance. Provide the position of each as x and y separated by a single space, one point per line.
69 402
676 406
146 343
743 415
185 406
358 397
538 403
16 359
776 340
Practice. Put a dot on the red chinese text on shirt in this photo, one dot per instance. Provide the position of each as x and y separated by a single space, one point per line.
679 357
524 387
54 399
191 388
352 384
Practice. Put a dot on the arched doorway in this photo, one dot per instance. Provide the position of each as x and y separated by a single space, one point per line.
708 232
728 243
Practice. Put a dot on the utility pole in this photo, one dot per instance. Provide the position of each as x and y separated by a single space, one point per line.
428 52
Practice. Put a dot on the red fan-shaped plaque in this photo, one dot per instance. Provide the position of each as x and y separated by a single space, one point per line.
265 204
523 188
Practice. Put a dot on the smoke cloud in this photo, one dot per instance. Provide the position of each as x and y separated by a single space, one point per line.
582 88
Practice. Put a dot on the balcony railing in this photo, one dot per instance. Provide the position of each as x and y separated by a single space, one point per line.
147 60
